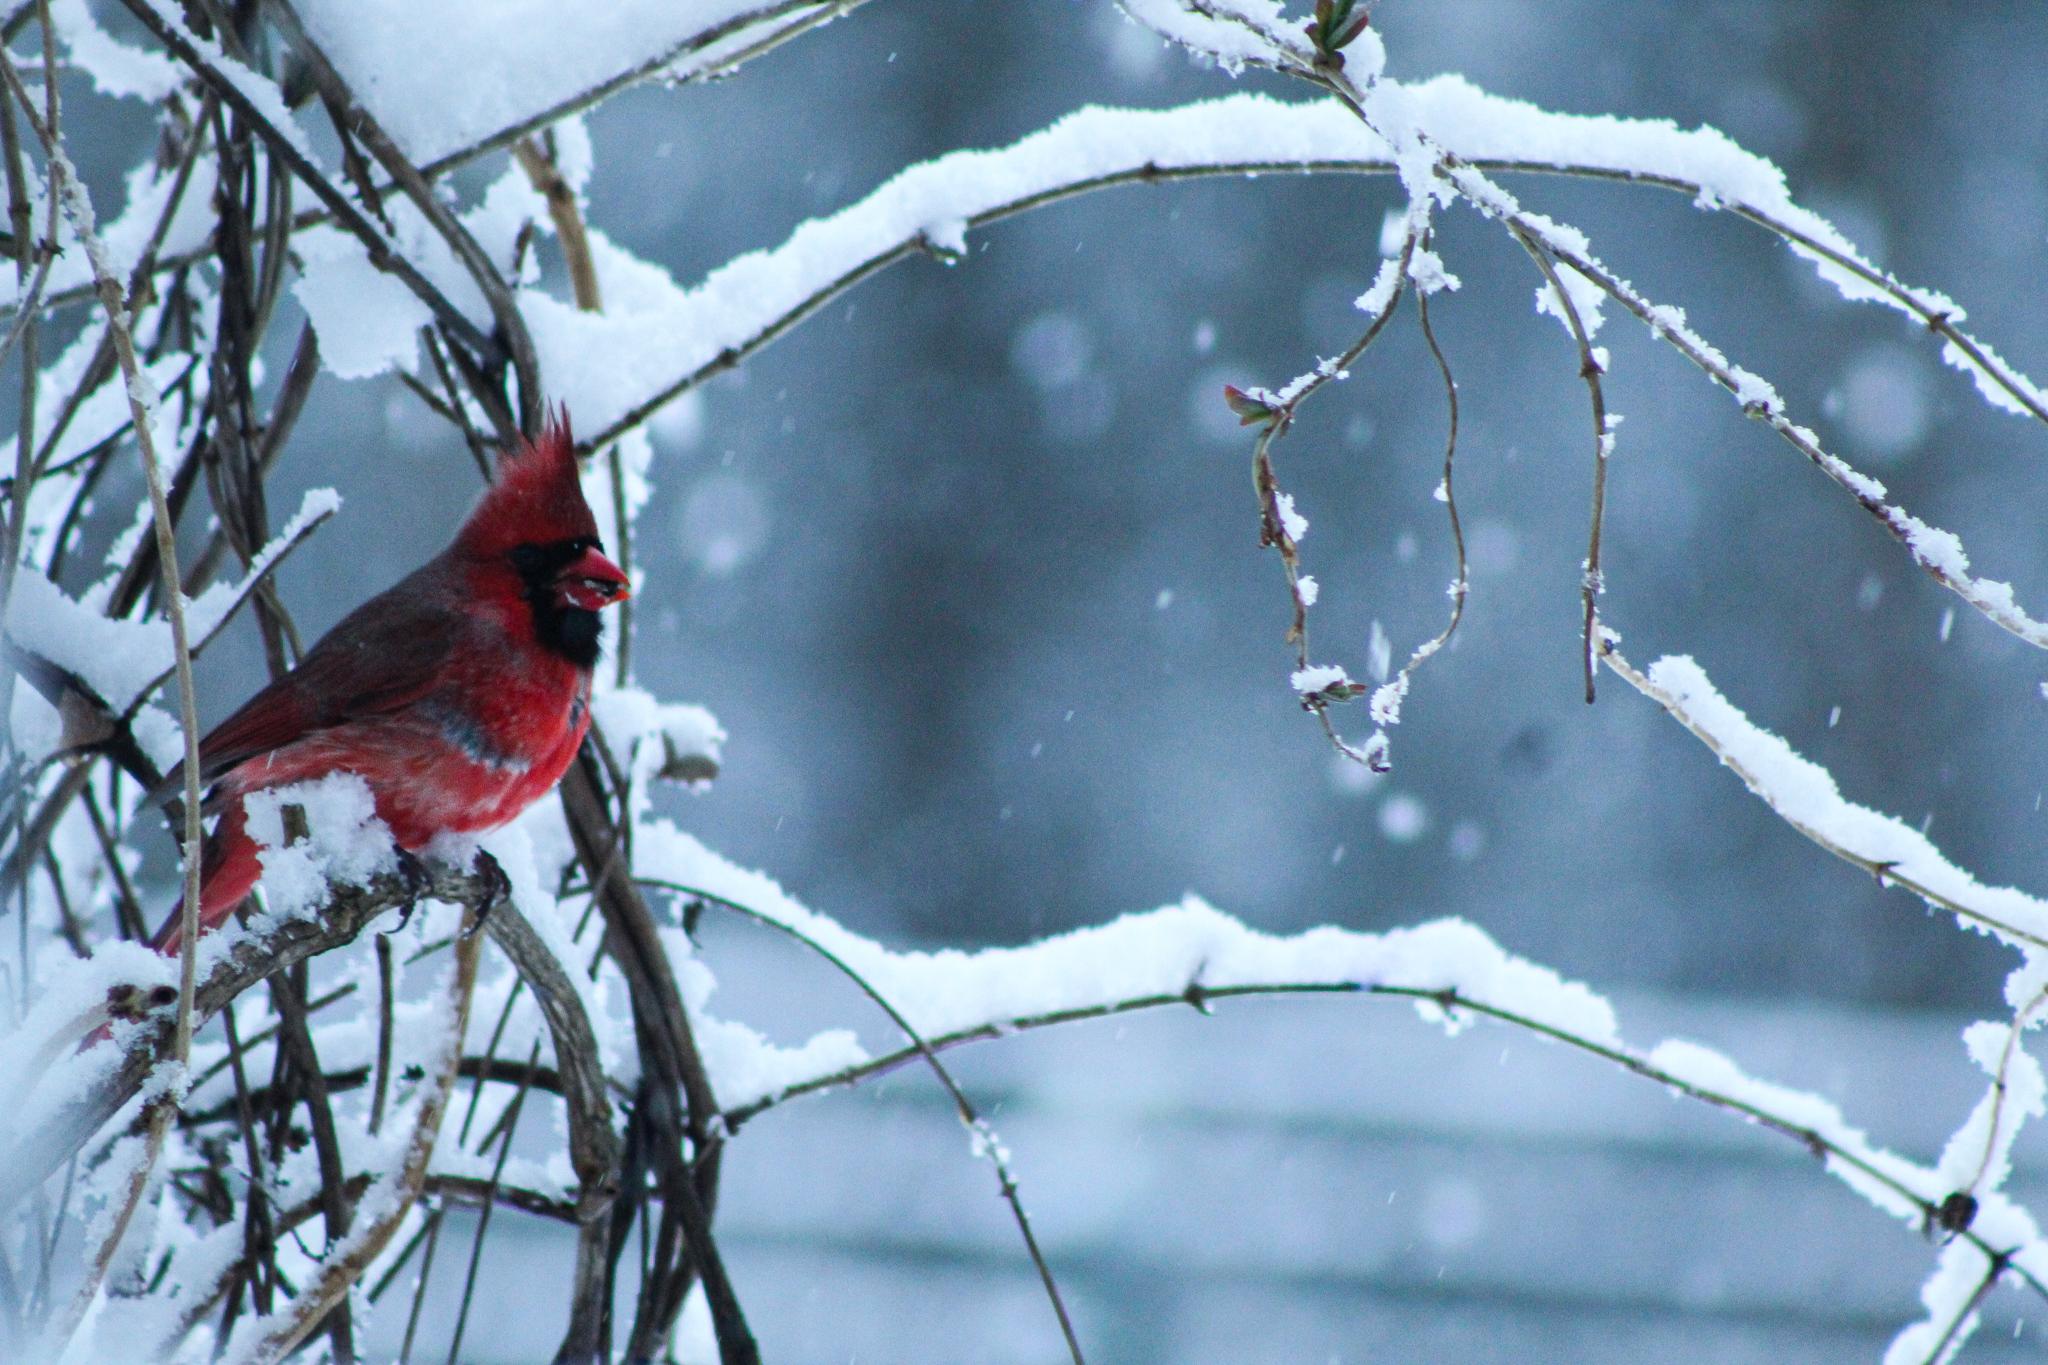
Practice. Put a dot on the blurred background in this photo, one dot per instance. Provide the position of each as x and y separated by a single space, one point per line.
968 568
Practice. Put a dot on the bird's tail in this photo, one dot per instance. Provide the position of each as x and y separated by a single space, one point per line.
228 870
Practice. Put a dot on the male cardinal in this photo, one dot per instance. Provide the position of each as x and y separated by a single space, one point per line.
459 695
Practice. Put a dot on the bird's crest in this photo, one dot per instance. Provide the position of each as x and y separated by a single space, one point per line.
537 499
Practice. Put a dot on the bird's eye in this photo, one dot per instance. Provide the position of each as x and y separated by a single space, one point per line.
530 562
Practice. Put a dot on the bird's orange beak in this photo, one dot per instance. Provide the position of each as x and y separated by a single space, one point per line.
592 582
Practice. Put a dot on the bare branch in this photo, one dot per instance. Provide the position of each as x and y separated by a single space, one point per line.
1592 582
593 1147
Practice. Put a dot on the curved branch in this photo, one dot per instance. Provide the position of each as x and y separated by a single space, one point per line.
1279 526
986 1142
1200 997
1592 581
1829 821
919 243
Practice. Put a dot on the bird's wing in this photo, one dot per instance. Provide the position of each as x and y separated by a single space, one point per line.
382 656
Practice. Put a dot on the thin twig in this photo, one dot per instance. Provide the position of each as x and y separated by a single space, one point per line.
1593 581
1994 1267
432 1233
1385 706
986 1143
2020 1023
384 993
345 1264
483 1222
1275 412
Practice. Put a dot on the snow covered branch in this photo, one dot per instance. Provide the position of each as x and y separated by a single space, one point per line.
1805 796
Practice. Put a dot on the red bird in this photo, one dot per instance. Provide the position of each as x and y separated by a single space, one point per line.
459 696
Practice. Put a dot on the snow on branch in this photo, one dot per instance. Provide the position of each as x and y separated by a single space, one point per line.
121 663
391 1194
1170 951
526 68
1445 135
1940 553
57 1101
1195 955
1804 794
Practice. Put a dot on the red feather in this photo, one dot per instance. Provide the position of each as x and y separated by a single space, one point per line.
448 694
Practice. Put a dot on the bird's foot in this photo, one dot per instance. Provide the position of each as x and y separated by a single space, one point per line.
413 873
497 887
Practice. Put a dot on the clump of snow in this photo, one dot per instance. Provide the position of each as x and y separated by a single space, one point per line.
367 320
1385 706
116 69
442 74
677 741
1385 285
1584 295
1217 35
1291 521
1426 268
1318 678
345 843
119 659
115 658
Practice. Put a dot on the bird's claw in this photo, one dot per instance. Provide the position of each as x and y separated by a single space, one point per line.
413 873
497 887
